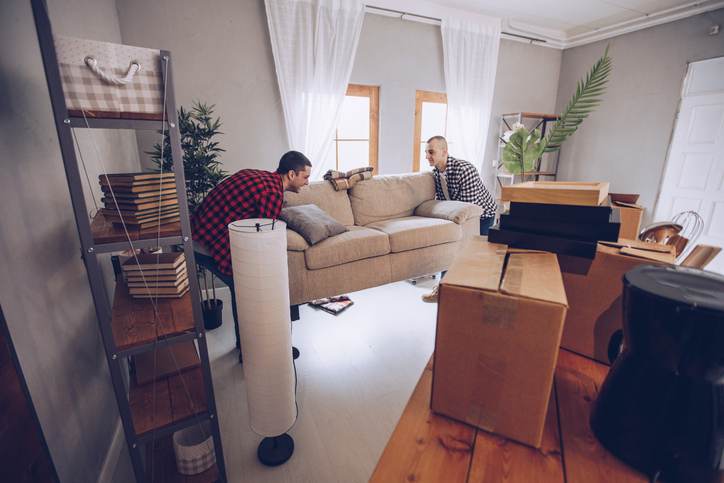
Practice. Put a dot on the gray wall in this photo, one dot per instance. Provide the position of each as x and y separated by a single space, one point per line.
44 290
221 55
527 81
626 140
401 57
416 63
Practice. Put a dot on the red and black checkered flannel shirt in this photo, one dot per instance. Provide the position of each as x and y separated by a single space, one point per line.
250 193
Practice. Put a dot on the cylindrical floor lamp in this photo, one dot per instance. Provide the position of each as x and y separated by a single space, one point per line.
261 282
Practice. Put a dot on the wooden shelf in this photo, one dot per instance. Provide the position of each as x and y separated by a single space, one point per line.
164 466
104 232
134 323
533 115
165 361
157 405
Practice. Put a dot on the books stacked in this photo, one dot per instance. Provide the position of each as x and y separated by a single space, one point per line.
565 218
161 275
140 200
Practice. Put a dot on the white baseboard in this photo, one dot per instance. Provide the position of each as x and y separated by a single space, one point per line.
114 452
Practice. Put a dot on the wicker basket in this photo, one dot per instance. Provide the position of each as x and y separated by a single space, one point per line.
194 449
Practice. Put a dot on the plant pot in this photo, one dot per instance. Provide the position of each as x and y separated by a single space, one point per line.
212 309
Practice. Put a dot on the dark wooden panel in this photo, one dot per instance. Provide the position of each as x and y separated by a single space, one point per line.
23 452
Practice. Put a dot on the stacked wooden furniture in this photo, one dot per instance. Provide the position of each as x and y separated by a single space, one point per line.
139 200
566 218
163 338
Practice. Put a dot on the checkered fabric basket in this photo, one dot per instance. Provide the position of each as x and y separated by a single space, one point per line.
102 79
194 449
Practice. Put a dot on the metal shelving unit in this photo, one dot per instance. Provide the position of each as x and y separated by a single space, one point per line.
547 166
150 413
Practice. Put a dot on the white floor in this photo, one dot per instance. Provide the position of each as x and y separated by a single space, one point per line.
355 375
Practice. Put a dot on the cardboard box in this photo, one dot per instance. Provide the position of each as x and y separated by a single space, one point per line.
631 215
594 289
499 325
556 192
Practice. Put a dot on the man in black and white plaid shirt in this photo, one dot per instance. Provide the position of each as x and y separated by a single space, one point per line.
457 180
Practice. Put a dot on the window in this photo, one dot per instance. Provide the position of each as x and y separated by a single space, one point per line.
356 137
430 120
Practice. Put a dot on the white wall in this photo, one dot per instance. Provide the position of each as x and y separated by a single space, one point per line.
44 289
625 141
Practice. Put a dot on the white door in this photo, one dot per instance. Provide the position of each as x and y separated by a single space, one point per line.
694 174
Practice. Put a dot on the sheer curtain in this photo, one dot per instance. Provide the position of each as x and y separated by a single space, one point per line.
470 50
314 44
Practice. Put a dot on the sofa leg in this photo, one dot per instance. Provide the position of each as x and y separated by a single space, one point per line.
294 312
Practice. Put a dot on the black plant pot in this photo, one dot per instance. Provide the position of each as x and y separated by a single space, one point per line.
212 309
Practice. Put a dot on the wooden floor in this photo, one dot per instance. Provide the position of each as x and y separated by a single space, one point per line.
355 376
426 447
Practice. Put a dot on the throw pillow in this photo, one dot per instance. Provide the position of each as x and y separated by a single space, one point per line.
311 222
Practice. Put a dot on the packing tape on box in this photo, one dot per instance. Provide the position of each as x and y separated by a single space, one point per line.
499 311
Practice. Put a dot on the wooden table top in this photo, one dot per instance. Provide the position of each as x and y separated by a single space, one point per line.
426 447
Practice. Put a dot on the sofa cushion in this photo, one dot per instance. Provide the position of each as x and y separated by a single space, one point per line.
295 241
455 211
311 222
387 197
413 232
356 244
334 203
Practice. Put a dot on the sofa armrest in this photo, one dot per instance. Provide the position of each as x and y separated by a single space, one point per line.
295 241
455 211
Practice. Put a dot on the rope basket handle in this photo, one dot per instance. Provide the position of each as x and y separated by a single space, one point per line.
92 64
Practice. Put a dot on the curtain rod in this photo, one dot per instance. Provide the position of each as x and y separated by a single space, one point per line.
435 19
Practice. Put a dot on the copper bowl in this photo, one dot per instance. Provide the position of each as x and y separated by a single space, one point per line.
660 232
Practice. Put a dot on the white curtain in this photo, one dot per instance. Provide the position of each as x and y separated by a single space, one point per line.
314 44
470 50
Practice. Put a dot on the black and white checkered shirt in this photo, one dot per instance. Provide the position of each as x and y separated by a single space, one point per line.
464 184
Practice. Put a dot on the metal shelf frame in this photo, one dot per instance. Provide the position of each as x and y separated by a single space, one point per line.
539 120
64 124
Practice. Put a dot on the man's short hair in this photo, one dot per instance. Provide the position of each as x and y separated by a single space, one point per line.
293 161
439 138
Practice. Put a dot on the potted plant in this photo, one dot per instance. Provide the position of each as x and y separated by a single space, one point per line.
203 171
523 148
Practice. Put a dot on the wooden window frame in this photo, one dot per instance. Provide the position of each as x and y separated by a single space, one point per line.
373 93
420 97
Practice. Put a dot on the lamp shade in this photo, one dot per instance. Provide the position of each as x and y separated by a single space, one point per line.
261 283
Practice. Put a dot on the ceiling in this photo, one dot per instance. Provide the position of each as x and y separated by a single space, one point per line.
567 23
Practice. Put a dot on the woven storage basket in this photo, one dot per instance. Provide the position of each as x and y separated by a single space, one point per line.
106 80
194 449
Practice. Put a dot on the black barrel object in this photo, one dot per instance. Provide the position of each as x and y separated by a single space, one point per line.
661 407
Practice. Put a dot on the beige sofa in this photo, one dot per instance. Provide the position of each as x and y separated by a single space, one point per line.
396 231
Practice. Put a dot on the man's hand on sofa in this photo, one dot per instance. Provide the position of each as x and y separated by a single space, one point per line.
455 211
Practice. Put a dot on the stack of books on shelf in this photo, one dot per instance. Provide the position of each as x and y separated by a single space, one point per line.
140 200
561 217
156 275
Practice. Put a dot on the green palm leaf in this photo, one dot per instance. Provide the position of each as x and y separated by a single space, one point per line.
583 102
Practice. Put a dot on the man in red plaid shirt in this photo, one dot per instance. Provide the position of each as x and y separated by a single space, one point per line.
249 193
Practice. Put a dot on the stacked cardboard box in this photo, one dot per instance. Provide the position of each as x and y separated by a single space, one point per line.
139 200
156 275
566 218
